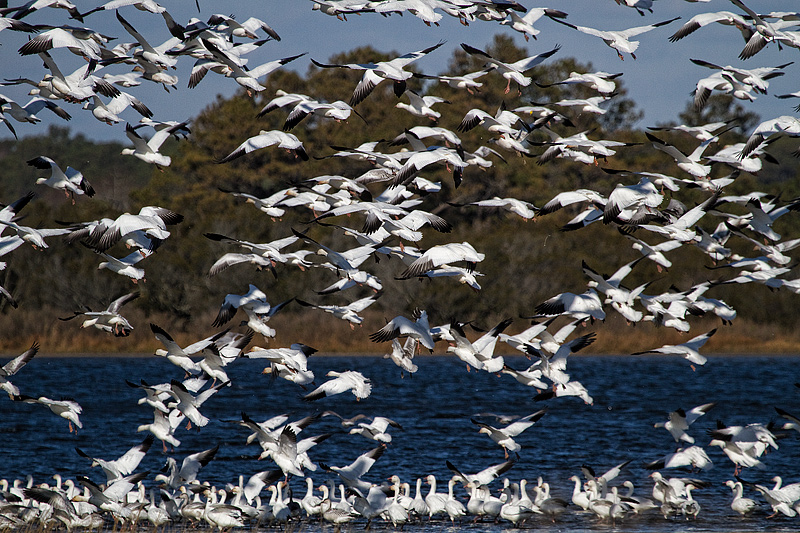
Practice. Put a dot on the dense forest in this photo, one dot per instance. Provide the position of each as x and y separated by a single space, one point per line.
527 261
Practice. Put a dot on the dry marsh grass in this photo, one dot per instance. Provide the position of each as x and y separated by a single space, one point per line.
332 336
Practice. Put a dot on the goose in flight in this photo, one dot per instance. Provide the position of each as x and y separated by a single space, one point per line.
421 106
602 82
351 474
401 326
619 40
689 350
151 220
466 81
577 306
688 163
376 430
403 355
76 40
772 129
254 303
148 151
33 236
347 312
505 436
512 71
478 354
524 24
374 73
190 467
14 366
71 182
66 408
248 79
265 139
27 113
704 19
680 420
349 380
109 320
440 255
126 265
125 464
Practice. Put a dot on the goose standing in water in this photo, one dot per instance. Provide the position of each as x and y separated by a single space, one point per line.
739 503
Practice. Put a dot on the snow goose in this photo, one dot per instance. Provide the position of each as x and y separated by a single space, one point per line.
524 209
346 312
421 106
148 151
484 477
349 380
444 254
511 71
479 354
401 326
248 79
602 82
374 73
71 182
124 464
513 509
577 306
254 299
352 473
781 499
66 408
403 355
161 428
376 430
177 355
689 349
76 40
465 81
504 437
680 420
682 228
435 501
14 366
619 40
704 19
154 56
625 200
125 266
190 467
693 456
33 236
739 503
109 320
771 129
266 138
222 516
524 24
109 112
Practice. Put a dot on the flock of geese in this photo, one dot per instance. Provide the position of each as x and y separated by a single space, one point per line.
219 47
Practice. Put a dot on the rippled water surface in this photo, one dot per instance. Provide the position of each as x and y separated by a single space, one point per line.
434 407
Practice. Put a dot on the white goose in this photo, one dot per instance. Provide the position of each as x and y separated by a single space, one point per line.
14 366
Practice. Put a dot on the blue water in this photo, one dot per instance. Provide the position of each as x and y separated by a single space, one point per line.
434 407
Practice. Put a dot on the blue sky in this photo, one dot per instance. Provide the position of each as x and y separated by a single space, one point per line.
660 80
